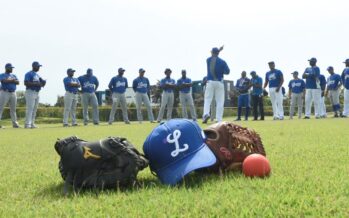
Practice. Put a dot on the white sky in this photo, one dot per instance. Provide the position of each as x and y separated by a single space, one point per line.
156 34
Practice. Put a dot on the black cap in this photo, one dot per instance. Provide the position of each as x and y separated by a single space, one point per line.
184 71
346 61
271 62
141 70
70 70
295 73
312 60
168 70
329 68
253 73
121 70
9 66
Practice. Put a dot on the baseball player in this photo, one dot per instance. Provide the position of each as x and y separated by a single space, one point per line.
184 85
118 85
243 86
8 87
334 83
257 95
167 99
213 103
141 87
275 79
323 113
89 85
216 68
312 89
345 80
71 97
296 94
33 83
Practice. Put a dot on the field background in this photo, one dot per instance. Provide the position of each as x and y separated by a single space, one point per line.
310 176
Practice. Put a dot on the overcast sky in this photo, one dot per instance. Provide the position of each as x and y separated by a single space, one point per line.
156 34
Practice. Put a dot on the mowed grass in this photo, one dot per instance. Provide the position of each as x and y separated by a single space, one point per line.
310 176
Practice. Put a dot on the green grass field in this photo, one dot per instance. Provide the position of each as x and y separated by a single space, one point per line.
310 176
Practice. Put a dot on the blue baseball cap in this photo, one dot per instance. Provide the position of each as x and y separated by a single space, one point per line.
215 50
176 148
9 66
121 70
346 61
70 70
36 64
312 60
141 70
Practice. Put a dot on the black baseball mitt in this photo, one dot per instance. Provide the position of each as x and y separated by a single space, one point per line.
110 162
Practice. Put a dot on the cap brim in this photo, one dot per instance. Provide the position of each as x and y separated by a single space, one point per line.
176 171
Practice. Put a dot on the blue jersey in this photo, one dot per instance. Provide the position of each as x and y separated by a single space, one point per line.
118 84
182 81
216 68
10 87
242 85
67 81
141 85
334 81
32 76
165 81
312 81
296 85
88 83
322 82
274 78
345 78
257 81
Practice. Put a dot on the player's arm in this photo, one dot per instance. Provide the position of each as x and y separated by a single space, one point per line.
305 74
266 82
110 85
134 85
281 82
96 84
126 86
340 83
226 69
29 83
15 81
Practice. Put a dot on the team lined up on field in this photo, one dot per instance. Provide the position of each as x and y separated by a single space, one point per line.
315 88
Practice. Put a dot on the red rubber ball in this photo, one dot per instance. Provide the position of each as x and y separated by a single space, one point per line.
256 165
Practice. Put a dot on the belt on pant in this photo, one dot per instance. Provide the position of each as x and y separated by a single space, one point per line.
33 90
73 92
6 90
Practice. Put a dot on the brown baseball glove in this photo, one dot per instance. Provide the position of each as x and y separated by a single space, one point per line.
232 144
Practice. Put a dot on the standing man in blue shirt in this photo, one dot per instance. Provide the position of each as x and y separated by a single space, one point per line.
33 83
89 85
322 80
312 89
184 85
345 80
167 85
275 79
141 87
243 85
8 87
257 95
118 85
296 94
71 97
216 69
334 83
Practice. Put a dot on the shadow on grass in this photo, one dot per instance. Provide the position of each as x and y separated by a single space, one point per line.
194 180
